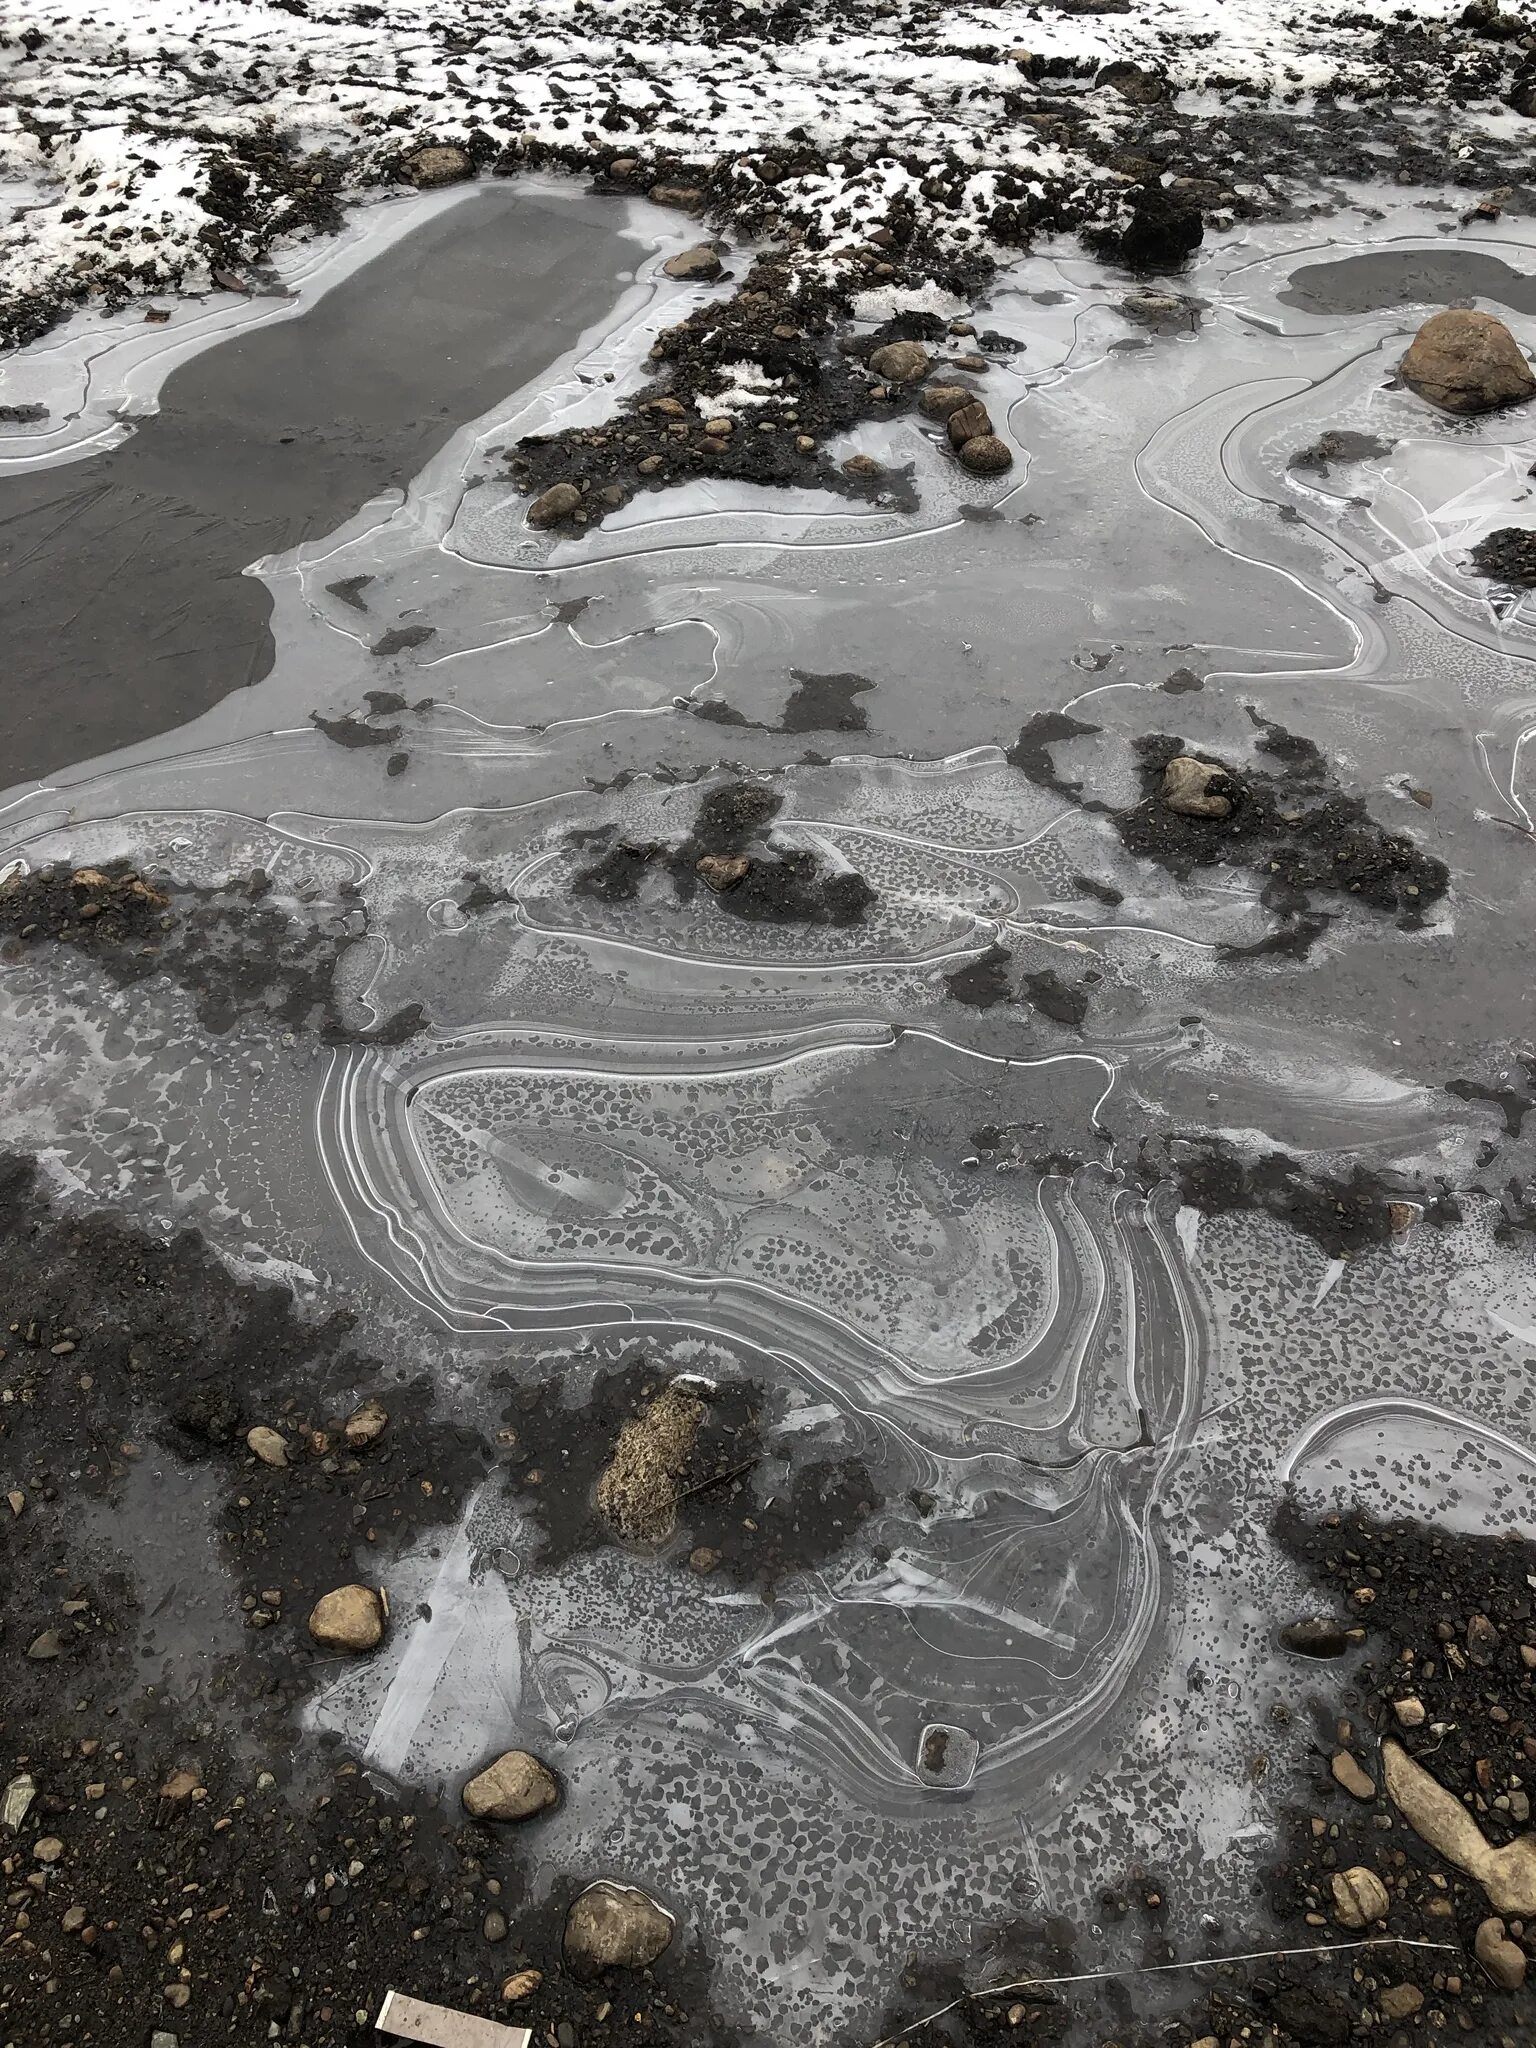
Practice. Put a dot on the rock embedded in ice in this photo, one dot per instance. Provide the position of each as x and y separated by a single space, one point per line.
722 871
1190 787
1466 361
555 504
700 264
969 423
938 401
901 362
438 166
985 455
515 1787
351 1618
614 1926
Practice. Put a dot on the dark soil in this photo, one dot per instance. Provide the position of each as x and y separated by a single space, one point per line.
235 952
660 437
741 1513
1289 824
274 1891
1340 1215
984 982
1445 1621
818 703
1340 445
731 825
1507 556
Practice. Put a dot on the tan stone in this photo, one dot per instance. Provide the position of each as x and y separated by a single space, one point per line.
521 1984
701 264
1358 1783
722 871
365 1425
1399 2002
1359 1897
1503 1959
969 423
1187 788
267 1445
1507 1875
350 1618
938 401
515 1787
438 166
1465 361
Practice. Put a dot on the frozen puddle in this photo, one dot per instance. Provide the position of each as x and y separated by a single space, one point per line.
908 1171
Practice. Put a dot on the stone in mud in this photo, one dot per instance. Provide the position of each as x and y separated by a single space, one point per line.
985 455
1315 1635
1502 1958
553 505
365 1425
1507 1874
521 1984
688 196
438 166
701 264
1359 1897
938 401
969 423
1348 1773
515 1787
1163 232
267 1445
722 871
901 362
1465 361
351 1618
1196 789
614 1926
1507 555
863 465
637 1490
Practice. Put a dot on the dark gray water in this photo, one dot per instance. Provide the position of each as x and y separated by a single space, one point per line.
127 611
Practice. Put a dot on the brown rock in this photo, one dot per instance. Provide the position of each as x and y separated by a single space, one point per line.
1399 2002
637 1490
267 1445
366 1425
350 1618
623 167
689 196
444 166
649 464
722 870
1409 1713
1348 1773
700 264
985 455
1190 788
521 1984
722 428
938 401
613 1926
1465 361
515 1787
1503 1959
555 504
1359 1897
901 362
863 465
969 423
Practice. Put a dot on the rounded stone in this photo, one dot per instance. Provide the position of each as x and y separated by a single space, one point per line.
351 1618
700 264
438 166
1359 1897
1465 361
557 503
901 362
267 1445
515 1787
985 455
614 1926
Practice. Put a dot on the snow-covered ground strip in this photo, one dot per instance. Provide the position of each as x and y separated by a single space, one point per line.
144 129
